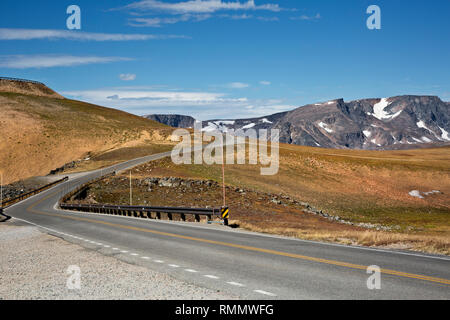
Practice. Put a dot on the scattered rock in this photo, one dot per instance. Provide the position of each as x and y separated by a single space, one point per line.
276 201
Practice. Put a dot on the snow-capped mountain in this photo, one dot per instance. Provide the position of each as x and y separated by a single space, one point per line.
389 123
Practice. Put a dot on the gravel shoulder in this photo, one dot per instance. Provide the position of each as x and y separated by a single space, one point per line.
34 265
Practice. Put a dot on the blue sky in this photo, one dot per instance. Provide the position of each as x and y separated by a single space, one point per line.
227 59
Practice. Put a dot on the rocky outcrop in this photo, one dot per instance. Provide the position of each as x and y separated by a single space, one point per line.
177 121
172 182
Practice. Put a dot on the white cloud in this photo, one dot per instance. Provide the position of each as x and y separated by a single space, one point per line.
201 105
39 34
49 61
158 22
127 77
199 6
238 85
306 17
243 16
146 102
265 83
195 11
141 97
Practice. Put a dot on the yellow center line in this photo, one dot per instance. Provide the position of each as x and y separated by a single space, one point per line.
238 246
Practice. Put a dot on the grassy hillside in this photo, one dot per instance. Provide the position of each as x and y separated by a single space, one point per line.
39 133
359 186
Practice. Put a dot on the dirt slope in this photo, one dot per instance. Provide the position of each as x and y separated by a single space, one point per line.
40 130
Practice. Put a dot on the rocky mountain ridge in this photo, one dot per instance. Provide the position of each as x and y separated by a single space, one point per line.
400 122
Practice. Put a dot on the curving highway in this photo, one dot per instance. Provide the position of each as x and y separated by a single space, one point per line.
249 265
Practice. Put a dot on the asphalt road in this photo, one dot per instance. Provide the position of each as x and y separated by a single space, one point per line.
250 265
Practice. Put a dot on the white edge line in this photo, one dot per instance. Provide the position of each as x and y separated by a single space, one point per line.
265 293
191 270
237 284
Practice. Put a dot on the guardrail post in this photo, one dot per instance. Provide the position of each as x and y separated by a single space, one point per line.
197 217
208 218
183 217
169 216
158 215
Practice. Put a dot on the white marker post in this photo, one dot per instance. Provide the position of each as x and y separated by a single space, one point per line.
223 176
131 192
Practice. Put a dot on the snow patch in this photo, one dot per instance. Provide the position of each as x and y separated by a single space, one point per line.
324 126
374 141
380 113
249 126
367 133
425 139
220 126
445 135
225 122
421 124
266 121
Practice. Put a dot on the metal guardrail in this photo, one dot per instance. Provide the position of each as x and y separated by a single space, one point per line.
11 201
83 187
150 212
139 211
21 80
